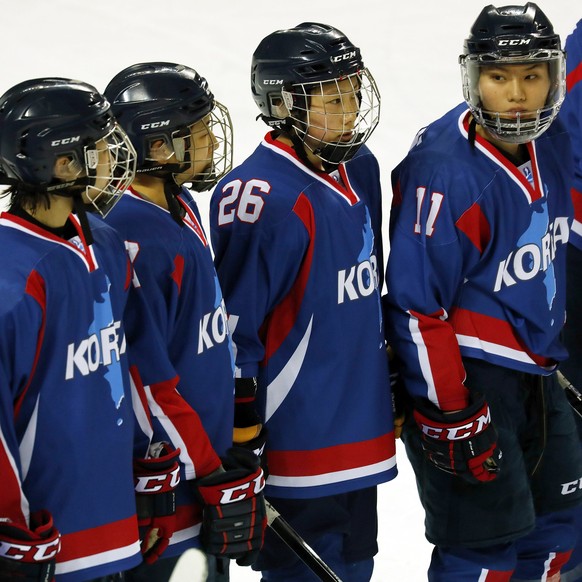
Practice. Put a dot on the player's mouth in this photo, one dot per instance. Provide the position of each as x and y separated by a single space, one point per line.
517 114
346 137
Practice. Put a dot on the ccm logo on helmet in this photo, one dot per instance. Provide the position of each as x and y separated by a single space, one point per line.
344 57
65 140
155 124
273 82
514 41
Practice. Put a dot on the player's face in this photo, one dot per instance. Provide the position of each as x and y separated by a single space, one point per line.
514 89
333 111
199 147
103 169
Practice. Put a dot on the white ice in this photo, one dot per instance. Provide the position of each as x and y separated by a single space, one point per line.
411 48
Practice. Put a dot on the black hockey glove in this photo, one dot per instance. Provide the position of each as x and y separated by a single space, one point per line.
463 443
29 554
234 516
156 479
249 432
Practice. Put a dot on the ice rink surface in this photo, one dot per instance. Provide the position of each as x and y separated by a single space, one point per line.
410 47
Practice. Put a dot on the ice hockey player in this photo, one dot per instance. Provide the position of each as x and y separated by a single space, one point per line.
66 429
296 230
476 287
182 135
571 115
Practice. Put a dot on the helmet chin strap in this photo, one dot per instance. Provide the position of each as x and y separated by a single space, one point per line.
171 191
80 210
299 147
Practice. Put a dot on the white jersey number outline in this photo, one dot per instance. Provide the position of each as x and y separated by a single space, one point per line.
243 201
436 200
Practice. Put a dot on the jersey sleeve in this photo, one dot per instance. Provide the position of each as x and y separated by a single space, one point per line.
571 115
424 273
21 336
257 265
162 413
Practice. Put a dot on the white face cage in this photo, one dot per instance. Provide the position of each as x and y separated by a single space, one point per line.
524 126
218 129
348 120
110 169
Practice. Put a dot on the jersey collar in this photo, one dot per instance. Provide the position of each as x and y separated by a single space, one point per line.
344 189
532 192
77 245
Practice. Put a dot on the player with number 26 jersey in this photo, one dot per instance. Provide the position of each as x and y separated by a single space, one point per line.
299 257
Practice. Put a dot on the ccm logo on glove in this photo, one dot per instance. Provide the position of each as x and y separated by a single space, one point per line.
244 490
448 432
157 483
32 552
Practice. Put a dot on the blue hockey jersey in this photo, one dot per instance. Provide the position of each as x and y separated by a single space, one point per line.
571 115
66 421
477 257
176 274
299 258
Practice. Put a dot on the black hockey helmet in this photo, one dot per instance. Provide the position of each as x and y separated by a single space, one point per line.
44 119
511 31
289 64
159 100
307 53
513 35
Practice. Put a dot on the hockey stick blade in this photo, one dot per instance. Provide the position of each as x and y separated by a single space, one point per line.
304 552
572 393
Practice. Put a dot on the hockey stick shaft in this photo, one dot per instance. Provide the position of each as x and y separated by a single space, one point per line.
572 393
304 552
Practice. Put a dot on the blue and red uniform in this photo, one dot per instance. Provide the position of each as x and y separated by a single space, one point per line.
177 278
66 420
299 257
476 294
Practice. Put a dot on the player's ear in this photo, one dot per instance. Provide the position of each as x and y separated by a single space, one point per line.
160 152
67 168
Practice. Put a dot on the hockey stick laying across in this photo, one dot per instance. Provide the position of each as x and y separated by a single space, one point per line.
299 545
573 395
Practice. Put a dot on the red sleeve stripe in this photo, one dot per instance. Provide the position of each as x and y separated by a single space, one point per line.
35 287
331 463
493 336
184 428
140 403
574 77
439 359
475 226
283 318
